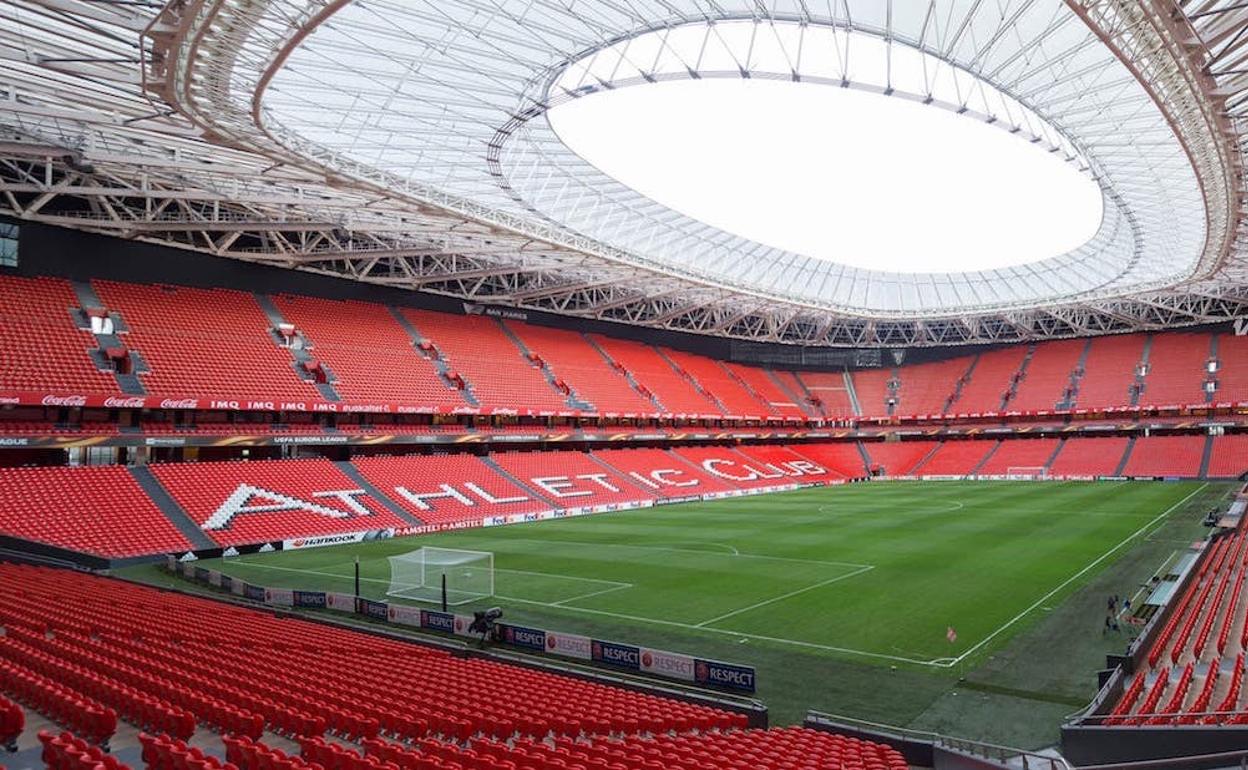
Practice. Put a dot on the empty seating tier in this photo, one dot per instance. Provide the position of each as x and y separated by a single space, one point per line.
96 510
957 458
252 502
1089 457
652 371
1109 372
1176 369
1046 382
1166 456
990 381
898 458
1017 454
573 359
40 347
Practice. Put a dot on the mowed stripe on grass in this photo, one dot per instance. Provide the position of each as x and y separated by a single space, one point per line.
876 569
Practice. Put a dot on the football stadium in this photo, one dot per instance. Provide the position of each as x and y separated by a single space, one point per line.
623 384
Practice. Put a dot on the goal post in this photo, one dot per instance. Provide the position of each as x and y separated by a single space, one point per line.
419 575
1026 472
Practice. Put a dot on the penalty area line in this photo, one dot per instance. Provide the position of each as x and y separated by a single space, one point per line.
782 597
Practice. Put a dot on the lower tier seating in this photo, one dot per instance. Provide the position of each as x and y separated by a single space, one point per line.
1089 457
1229 458
956 458
251 502
1166 456
404 705
897 458
97 510
1019 453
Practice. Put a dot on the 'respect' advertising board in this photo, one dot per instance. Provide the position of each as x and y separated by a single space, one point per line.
626 657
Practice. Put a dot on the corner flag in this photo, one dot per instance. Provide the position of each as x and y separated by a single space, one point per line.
951 635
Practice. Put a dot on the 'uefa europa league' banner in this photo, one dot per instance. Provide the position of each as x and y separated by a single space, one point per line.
626 657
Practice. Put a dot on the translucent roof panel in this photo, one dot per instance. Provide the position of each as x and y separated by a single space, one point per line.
460 97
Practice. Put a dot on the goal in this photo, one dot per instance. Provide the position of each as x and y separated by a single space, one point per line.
1026 472
418 575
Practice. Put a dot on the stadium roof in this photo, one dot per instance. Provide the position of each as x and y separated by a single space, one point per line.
407 143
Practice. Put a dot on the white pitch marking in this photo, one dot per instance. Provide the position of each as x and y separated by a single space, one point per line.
737 555
1078 574
782 597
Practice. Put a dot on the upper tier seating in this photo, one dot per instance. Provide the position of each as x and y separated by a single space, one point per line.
828 387
897 458
40 349
1089 457
843 458
663 472
1233 369
445 488
1176 369
254 502
720 385
927 388
371 357
956 458
1166 456
871 386
97 510
204 343
652 371
1019 453
1229 458
1046 381
569 479
478 349
142 653
1109 371
990 380
769 391
573 359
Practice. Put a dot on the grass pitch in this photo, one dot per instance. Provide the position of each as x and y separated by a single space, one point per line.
842 597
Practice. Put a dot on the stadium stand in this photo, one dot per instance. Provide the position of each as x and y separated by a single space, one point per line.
990 380
1019 453
1046 381
1232 374
370 356
871 388
1109 372
1089 457
740 471
480 351
662 471
1176 369
828 389
1166 456
787 460
897 458
203 343
843 459
928 388
1229 458
957 458
297 499
125 650
438 489
573 359
1195 664
767 391
718 384
569 479
647 366
40 346
96 510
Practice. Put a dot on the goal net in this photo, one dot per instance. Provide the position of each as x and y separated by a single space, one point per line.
1026 472
418 575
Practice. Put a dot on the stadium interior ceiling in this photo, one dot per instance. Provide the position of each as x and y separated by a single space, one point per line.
408 146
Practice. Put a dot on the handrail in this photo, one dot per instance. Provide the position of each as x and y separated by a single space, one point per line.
1176 763
975 748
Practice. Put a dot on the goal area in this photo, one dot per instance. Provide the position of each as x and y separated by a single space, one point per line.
419 575
1026 472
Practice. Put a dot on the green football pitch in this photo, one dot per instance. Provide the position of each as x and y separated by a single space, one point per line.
846 583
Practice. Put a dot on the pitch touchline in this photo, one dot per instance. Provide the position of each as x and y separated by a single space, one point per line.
1077 575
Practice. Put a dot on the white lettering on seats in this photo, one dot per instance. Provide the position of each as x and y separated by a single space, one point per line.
237 504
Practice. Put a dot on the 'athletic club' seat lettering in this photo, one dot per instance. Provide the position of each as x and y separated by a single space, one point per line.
786 468
238 504
448 491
